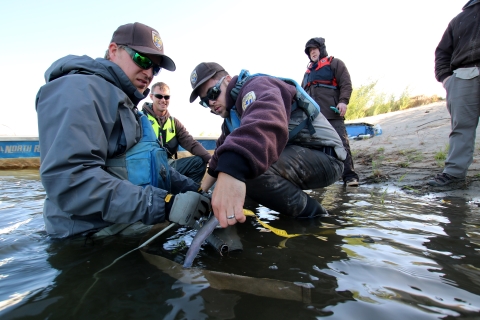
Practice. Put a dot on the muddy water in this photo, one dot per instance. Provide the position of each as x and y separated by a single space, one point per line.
382 255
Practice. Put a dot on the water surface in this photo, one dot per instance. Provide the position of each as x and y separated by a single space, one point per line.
381 256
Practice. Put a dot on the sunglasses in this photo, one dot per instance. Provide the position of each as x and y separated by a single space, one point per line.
142 61
212 94
160 97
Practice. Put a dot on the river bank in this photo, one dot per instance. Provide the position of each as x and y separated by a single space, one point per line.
403 156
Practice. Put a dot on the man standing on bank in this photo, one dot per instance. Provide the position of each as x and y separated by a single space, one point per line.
171 133
328 82
457 62
91 133
252 156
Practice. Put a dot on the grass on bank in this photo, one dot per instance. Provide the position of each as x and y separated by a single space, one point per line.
366 101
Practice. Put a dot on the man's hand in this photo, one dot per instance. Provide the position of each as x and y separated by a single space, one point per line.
342 107
188 207
228 199
444 81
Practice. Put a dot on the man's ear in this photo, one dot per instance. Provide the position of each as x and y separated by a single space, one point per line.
113 51
227 80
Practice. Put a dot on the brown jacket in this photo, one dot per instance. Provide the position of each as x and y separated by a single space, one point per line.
327 97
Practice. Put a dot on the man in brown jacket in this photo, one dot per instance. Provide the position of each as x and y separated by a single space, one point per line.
328 82
171 133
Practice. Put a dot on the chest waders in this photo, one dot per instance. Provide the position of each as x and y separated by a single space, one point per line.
301 100
145 163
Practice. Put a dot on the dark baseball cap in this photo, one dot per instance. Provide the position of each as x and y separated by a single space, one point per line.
145 40
201 74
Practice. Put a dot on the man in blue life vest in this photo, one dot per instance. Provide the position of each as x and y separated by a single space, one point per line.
95 143
254 158
171 133
328 82
457 67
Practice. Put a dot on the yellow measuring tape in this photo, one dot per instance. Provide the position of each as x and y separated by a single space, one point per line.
278 232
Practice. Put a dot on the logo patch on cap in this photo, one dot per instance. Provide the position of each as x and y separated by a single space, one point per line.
157 41
248 99
193 77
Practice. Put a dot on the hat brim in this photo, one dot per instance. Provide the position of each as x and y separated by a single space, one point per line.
165 63
194 94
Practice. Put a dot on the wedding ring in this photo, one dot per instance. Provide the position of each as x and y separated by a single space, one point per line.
231 217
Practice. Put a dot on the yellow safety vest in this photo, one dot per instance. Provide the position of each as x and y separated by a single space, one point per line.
167 134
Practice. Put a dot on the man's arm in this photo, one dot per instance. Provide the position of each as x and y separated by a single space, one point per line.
443 55
189 143
249 150
344 83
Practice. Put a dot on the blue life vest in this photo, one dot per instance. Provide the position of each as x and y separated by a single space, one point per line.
146 162
301 100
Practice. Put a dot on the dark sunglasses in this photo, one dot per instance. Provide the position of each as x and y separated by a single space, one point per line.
142 61
212 94
160 97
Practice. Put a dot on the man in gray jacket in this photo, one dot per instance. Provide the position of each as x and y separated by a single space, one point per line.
457 62
88 126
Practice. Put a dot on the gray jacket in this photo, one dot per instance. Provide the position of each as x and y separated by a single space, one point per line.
81 117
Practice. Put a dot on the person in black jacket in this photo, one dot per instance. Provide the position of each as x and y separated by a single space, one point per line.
457 61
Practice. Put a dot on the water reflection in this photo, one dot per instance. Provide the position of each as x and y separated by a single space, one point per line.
382 255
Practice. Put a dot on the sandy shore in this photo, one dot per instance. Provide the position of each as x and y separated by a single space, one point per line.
403 156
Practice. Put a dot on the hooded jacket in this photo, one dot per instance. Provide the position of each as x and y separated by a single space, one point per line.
182 136
460 43
329 97
82 111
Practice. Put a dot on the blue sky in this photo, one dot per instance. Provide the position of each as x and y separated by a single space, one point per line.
389 41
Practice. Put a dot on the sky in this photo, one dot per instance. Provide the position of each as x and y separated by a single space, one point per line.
392 42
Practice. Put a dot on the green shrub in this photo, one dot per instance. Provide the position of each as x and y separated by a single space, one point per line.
366 101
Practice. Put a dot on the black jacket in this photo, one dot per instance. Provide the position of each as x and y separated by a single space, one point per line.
460 44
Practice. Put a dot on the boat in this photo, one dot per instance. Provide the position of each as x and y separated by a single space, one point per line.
362 130
24 152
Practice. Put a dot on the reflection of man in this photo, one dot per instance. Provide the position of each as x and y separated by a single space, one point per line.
93 148
327 80
171 133
457 62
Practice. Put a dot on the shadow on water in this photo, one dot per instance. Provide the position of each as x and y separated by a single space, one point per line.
380 255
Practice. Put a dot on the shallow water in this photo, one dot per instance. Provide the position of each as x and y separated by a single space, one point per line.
381 256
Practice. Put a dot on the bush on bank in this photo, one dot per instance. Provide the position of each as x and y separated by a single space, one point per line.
366 101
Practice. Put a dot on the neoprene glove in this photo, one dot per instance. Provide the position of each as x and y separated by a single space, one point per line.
188 207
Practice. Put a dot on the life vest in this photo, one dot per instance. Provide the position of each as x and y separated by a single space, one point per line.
320 74
301 100
167 135
145 163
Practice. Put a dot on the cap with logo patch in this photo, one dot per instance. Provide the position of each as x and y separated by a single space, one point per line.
201 74
145 40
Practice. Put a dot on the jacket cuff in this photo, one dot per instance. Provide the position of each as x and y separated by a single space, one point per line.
234 165
443 76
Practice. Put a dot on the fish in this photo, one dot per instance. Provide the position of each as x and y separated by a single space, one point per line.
199 238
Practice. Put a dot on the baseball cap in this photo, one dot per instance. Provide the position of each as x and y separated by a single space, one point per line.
143 39
201 74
